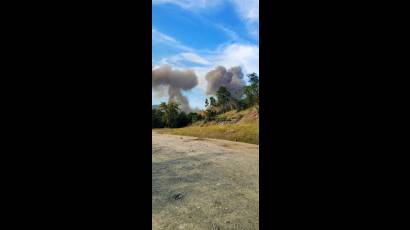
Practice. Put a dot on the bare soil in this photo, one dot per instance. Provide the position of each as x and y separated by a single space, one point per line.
200 183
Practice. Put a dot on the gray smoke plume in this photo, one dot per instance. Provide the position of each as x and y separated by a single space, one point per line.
176 81
232 79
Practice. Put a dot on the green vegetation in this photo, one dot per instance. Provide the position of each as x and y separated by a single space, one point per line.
169 115
226 117
240 126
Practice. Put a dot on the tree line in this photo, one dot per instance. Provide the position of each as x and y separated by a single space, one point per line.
170 116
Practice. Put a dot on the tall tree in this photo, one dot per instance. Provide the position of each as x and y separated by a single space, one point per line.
225 100
212 101
171 112
251 91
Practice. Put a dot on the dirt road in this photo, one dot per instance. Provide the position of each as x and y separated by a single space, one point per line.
204 183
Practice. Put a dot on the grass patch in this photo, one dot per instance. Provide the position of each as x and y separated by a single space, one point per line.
240 126
243 132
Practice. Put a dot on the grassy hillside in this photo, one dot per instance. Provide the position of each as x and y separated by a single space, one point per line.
240 126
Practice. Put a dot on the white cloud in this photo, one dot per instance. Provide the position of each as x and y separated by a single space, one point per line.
230 33
244 55
186 57
159 37
201 72
190 4
248 10
237 54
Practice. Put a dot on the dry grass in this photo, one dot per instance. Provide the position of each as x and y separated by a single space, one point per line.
242 126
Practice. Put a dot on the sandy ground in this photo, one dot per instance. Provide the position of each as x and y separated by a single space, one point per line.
204 183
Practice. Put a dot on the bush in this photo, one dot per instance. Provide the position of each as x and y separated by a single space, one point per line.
182 120
157 119
210 115
222 119
194 117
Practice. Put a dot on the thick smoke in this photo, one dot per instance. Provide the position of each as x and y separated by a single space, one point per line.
176 81
232 79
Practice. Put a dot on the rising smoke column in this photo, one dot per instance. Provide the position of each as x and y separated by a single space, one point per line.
232 79
176 81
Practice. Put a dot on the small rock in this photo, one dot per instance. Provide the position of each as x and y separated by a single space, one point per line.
178 196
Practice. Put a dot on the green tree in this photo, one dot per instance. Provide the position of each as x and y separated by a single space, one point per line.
171 112
241 104
206 102
251 91
182 120
223 95
210 114
225 101
157 119
212 102
193 117
162 107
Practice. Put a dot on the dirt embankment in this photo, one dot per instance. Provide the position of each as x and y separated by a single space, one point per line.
204 183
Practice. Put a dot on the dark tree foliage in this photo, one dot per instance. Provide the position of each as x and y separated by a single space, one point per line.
157 119
241 104
224 97
251 91
225 100
182 120
212 102
170 116
210 115
193 117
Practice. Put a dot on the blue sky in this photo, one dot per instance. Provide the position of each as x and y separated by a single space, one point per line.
202 34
